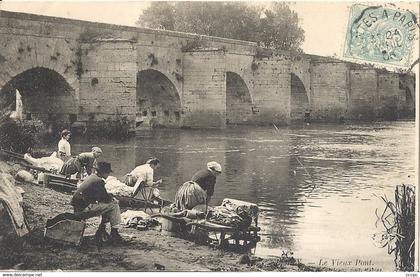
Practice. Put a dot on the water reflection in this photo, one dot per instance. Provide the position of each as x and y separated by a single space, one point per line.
315 185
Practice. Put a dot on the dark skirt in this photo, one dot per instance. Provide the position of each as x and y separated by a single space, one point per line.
72 166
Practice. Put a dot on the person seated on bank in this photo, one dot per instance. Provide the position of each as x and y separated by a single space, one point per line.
64 149
200 189
142 176
85 160
91 199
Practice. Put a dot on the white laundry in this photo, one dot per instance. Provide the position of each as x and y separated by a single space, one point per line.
117 188
133 217
51 163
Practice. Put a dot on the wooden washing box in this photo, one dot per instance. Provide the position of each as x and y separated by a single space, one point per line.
66 231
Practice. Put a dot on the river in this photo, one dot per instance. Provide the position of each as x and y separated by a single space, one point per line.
318 186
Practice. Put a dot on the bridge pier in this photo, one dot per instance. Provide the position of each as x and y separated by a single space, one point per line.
172 79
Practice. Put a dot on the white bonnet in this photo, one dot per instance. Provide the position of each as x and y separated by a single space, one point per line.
214 166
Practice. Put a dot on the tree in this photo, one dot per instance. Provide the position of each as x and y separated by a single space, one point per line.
160 15
274 27
280 28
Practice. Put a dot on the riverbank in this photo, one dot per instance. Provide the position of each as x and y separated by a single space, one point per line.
149 250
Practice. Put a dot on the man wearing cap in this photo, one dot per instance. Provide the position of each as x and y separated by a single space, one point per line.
64 152
91 199
85 160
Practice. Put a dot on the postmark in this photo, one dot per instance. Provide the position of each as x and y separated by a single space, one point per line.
381 34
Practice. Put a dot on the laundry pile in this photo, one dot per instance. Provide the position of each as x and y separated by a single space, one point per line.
138 220
234 213
224 216
117 188
51 163
24 176
242 208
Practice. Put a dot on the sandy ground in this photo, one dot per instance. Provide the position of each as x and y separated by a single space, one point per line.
150 250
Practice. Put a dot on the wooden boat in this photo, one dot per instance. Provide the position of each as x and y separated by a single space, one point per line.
46 178
59 182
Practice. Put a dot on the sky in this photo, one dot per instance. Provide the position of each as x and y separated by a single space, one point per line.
324 23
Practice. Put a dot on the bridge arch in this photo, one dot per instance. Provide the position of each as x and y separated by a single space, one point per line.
238 100
299 101
407 88
45 96
158 102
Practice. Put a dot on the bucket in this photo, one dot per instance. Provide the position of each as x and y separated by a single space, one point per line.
170 225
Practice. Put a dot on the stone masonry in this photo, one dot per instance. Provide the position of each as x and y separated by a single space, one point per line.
88 73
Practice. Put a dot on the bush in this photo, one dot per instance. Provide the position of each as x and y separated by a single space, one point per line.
16 137
115 129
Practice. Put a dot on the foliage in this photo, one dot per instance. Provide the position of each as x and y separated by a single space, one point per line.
192 45
51 131
91 35
153 60
117 129
275 27
111 128
17 137
398 220
160 15
281 28
79 64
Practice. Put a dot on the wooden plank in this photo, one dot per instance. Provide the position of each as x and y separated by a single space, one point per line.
35 167
60 182
134 202
182 220
63 182
12 154
62 185
212 226
244 236
22 161
59 179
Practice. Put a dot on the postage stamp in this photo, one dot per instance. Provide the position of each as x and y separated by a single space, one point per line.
381 34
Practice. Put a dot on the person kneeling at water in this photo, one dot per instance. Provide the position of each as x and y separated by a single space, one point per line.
200 189
83 160
142 176
91 199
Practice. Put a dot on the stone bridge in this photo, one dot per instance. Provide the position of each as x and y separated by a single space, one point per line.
79 72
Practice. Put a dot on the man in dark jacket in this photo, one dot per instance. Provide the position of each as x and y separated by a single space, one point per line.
91 199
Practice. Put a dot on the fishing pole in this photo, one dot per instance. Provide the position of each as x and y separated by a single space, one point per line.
304 168
301 164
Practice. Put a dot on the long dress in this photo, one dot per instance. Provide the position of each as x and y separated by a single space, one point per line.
74 165
189 195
